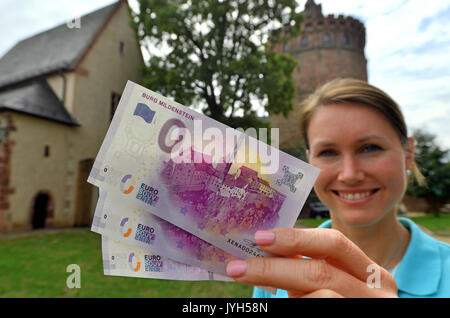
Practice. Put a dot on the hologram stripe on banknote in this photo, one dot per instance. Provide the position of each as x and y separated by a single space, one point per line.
120 259
223 202
136 227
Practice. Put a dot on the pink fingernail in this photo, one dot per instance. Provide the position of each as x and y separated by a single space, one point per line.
236 268
264 237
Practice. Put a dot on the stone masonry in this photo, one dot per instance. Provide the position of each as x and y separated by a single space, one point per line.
327 48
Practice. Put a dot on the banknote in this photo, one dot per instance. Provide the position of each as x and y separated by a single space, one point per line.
120 259
217 183
134 226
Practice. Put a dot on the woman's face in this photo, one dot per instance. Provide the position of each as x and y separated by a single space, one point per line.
363 164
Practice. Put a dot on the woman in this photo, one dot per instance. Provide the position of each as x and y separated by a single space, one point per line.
357 136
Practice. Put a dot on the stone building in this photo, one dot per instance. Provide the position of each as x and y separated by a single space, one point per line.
327 48
58 91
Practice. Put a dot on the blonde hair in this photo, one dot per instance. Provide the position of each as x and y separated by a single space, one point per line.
348 90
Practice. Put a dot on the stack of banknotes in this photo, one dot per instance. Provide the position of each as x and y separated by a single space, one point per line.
181 195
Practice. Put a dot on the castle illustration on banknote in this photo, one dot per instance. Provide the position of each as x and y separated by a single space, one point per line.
220 201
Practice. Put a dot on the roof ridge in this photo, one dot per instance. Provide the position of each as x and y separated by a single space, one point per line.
64 24
53 50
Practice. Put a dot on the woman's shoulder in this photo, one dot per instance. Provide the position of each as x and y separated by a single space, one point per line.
259 293
424 235
422 271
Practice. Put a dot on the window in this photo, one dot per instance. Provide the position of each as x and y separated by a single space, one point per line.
345 40
46 151
285 47
115 98
326 39
304 41
121 48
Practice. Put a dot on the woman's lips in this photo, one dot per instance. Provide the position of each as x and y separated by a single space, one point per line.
355 196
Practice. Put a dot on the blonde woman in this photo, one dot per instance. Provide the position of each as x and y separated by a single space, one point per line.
357 136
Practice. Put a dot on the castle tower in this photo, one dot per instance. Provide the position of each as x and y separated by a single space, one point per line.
327 48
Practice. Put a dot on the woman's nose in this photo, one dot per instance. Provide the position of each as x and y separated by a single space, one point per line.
350 170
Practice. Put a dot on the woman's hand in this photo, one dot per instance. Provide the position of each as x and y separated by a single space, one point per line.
336 268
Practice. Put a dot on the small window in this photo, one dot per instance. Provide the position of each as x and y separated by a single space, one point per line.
285 47
121 48
345 40
46 151
115 98
304 41
326 39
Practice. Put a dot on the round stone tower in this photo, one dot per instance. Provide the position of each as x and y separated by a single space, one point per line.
327 48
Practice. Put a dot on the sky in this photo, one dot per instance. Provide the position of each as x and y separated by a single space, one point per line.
407 47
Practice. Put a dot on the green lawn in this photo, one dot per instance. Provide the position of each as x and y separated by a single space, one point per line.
35 266
439 225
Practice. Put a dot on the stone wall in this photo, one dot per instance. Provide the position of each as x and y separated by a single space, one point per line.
327 48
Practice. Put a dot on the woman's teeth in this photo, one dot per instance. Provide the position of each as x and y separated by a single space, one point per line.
354 196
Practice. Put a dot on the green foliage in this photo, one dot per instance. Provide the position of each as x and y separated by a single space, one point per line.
434 163
297 151
218 55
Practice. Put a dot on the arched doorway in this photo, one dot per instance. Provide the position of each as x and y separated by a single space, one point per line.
41 210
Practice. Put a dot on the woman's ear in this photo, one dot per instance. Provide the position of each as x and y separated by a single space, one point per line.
409 150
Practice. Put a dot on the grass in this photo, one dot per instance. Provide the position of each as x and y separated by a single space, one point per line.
438 225
310 222
35 266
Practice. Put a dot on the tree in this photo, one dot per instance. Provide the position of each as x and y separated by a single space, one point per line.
434 164
219 55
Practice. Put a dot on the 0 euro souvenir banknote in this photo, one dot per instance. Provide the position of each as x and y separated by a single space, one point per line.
134 226
120 259
215 182
129 235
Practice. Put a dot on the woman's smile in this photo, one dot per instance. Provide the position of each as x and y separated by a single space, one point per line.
359 196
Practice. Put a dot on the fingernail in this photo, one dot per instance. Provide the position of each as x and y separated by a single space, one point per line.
236 268
264 237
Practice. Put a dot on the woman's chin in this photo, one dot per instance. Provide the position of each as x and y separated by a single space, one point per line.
357 218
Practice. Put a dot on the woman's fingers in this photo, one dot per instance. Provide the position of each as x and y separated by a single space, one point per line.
335 264
322 293
297 276
323 244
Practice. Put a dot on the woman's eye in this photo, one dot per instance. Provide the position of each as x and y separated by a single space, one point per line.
370 148
325 153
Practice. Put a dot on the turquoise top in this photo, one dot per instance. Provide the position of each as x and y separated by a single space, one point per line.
424 270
